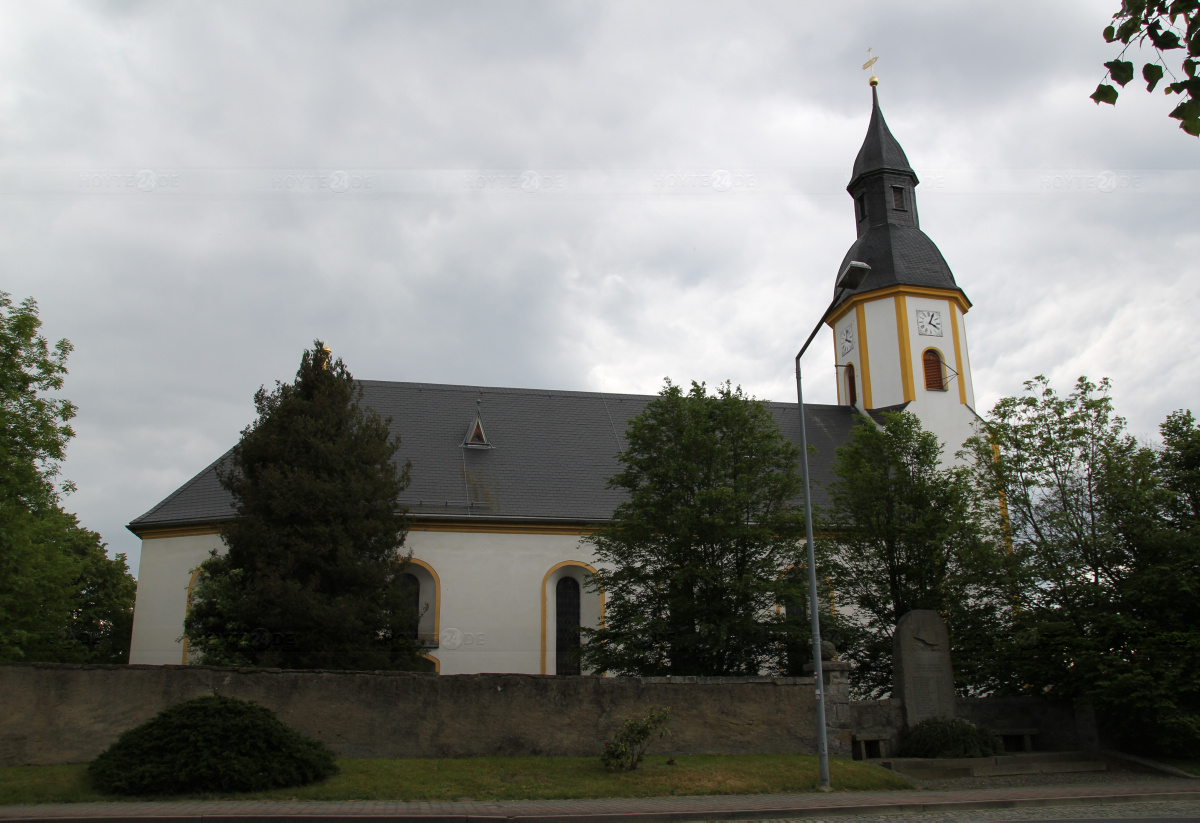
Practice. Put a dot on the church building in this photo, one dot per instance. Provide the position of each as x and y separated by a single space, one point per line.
507 482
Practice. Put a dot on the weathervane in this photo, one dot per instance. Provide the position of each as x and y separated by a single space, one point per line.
874 81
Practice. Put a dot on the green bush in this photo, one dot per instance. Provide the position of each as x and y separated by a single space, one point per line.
210 744
629 744
947 738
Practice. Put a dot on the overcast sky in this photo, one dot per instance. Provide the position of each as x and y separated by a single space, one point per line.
561 195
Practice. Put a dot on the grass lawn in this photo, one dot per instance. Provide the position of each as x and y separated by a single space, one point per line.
505 778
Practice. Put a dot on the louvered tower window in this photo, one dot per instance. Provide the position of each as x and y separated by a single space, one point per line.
851 389
935 377
566 626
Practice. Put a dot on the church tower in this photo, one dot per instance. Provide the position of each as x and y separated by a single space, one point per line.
900 337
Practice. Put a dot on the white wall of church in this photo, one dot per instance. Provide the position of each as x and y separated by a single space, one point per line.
883 345
491 597
488 599
163 577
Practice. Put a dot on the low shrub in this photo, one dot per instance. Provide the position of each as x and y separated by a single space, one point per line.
210 744
947 738
629 744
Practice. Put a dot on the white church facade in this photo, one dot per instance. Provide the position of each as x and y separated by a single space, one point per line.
499 514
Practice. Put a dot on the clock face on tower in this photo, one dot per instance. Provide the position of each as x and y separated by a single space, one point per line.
929 323
846 339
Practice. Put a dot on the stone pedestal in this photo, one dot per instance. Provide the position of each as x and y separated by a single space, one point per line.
839 726
921 658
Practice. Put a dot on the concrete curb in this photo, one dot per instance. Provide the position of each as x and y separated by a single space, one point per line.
688 809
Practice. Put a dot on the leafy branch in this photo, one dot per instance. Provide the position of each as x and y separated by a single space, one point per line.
1168 25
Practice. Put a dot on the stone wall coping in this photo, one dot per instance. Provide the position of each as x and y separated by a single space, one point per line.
668 680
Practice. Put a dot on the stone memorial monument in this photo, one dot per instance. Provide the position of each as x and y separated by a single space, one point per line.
921 660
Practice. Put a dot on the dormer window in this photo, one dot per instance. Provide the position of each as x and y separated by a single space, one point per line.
898 198
860 207
475 438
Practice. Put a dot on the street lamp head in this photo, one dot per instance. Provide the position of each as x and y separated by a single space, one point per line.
852 276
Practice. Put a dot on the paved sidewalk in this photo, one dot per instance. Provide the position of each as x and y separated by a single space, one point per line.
637 810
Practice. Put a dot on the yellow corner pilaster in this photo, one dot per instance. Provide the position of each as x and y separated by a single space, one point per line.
958 360
906 376
860 316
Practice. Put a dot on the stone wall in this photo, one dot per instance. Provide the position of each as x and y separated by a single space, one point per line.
57 713
1050 725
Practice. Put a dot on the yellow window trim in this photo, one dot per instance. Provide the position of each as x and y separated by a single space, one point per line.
941 359
187 608
437 599
545 579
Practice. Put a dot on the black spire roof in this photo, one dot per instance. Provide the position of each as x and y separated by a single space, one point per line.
890 239
880 151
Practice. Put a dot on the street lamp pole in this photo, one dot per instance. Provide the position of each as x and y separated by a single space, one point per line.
850 278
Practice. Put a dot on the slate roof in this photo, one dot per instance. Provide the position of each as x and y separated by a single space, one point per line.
899 255
553 452
880 150
890 240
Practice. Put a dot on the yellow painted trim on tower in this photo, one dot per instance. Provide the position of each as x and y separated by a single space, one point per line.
837 368
437 664
882 294
906 375
958 361
546 577
437 596
861 318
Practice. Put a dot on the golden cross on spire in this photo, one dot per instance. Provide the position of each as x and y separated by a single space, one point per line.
870 62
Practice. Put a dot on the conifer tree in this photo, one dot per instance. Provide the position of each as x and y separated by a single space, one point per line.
313 575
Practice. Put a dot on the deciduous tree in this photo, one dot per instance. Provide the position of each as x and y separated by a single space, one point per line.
1105 533
901 533
1170 27
694 563
61 597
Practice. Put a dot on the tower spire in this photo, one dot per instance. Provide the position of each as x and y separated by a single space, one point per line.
890 240
880 150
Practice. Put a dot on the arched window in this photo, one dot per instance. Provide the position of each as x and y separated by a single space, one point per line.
851 389
566 622
410 587
935 376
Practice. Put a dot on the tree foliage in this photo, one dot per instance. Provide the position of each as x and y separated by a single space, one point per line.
694 563
901 534
313 575
1168 26
1104 534
61 597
